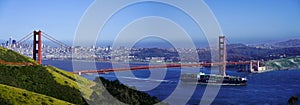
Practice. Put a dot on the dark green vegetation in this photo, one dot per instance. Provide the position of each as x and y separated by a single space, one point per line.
36 84
293 100
120 92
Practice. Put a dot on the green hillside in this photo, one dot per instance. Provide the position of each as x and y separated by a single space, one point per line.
42 80
23 81
11 56
120 92
14 96
23 72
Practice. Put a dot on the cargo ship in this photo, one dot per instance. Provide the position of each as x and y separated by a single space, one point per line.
213 79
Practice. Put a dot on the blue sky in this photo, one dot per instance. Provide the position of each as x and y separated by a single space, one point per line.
242 21
255 20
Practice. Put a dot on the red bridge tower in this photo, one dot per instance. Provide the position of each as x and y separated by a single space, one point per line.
37 46
222 55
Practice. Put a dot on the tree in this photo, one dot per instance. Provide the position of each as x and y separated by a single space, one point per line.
293 100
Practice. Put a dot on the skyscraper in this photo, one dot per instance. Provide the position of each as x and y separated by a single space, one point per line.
10 40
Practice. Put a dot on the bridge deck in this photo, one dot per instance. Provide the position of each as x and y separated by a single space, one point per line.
103 71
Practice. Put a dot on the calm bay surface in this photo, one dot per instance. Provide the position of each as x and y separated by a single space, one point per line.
269 88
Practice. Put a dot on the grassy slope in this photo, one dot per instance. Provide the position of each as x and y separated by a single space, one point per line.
69 79
50 84
41 80
11 56
15 96
48 80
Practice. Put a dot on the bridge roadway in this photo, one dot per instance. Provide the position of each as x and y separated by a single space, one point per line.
104 71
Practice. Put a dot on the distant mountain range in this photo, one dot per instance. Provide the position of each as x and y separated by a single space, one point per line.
267 51
237 52
282 44
289 43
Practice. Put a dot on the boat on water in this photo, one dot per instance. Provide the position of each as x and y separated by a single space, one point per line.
213 79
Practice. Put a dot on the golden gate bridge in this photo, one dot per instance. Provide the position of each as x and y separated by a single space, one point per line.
37 55
37 43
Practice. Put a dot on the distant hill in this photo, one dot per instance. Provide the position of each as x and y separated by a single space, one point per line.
288 43
235 52
281 44
246 53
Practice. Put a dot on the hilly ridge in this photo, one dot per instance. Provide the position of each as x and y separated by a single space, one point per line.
288 43
7 55
18 72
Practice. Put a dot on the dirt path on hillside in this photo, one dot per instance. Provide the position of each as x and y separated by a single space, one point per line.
16 63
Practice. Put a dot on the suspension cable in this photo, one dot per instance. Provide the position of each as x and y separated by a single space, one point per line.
54 40
228 42
25 38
